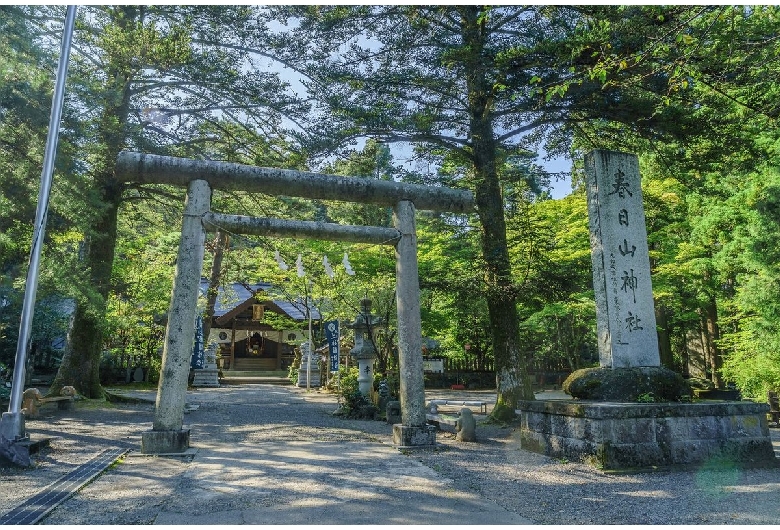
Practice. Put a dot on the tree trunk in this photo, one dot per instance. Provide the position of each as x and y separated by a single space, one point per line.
511 381
80 366
221 242
712 331
664 337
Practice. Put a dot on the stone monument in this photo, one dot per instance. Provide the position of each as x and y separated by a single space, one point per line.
629 360
607 423
621 262
305 370
393 412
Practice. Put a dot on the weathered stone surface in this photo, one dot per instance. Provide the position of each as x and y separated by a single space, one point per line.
466 426
206 377
316 380
407 436
635 435
625 313
165 442
140 167
627 384
374 235
407 296
180 331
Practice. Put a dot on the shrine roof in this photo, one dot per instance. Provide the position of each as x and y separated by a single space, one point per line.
235 298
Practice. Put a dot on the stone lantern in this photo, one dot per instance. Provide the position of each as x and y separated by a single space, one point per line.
365 327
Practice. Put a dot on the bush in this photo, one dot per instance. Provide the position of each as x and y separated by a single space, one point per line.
354 404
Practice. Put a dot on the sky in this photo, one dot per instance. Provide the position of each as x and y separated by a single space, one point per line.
560 188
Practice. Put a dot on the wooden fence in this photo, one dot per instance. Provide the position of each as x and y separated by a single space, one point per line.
488 365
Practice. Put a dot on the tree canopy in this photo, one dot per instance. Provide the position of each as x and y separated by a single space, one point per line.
474 91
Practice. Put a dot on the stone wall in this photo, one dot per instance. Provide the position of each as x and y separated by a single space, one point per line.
638 435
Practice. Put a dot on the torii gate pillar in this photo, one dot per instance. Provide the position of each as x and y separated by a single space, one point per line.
414 430
167 434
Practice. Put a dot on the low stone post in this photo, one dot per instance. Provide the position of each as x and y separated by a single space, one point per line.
167 434
414 430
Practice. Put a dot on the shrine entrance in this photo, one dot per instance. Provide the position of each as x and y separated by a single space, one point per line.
245 343
200 177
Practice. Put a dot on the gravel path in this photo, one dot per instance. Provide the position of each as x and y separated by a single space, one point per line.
495 469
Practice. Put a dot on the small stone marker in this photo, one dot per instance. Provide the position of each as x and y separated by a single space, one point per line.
393 412
625 311
466 426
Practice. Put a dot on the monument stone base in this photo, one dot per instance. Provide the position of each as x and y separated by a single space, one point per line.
409 437
208 377
624 436
165 442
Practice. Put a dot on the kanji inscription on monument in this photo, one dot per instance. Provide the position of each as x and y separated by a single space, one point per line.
625 311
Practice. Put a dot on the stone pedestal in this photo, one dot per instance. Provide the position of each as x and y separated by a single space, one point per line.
409 437
637 436
14 442
206 377
366 375
165 442
12 426
316 379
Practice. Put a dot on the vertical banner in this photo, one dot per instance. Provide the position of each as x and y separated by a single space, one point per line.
332 336
198 360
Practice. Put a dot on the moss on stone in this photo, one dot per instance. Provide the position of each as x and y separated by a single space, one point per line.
627 384
503 413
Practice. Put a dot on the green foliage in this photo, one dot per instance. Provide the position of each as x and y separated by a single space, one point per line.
353 403
691 89
160 79
646 397
502 413
753 336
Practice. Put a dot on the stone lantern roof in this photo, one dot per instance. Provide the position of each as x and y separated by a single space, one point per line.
365 323
365 320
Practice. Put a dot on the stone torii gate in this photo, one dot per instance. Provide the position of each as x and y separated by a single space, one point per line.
168 434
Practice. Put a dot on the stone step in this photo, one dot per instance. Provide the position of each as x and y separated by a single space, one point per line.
254 373
259 364
237 377
254 381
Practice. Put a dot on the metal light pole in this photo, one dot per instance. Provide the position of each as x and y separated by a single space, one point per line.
311 338
12 422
